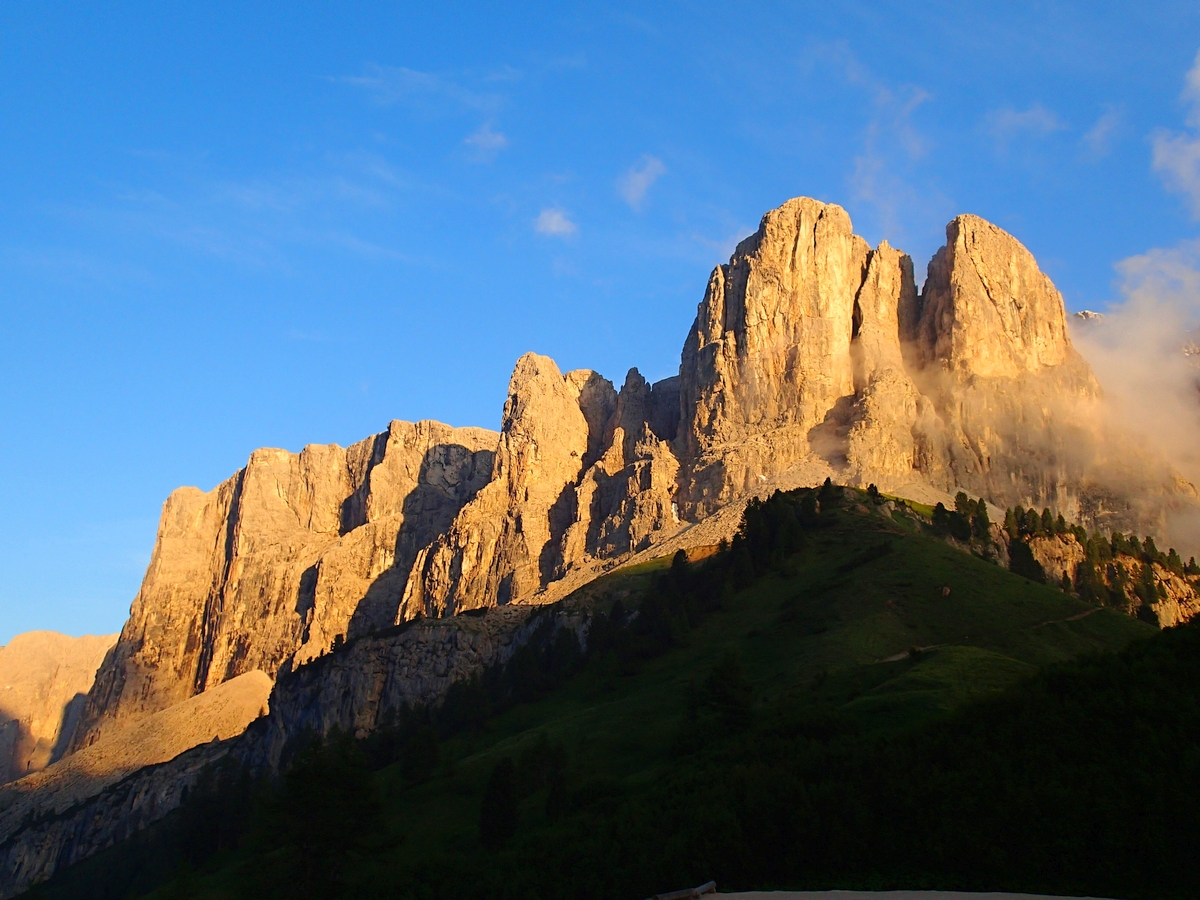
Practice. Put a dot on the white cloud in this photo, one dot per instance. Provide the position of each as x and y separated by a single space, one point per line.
486 143
1177 160
634 183
1176 157
1191 92
1137 352
1098 139
876 178
1007 123
393 84
554 222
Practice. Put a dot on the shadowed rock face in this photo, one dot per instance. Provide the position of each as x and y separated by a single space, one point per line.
811 354
44 679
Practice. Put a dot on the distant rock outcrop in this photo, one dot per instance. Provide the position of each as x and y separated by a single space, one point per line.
118 785
44 680
215 715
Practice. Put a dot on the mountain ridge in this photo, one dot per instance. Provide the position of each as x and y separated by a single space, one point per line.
812 355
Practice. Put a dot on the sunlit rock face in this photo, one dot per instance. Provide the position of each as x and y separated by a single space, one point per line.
580 474
44 680
768 356
494 550
987 309
271 565
811 354
812 348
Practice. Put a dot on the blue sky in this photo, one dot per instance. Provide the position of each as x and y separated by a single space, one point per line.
225 226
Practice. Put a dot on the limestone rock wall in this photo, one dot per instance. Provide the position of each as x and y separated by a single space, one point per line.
626 496
71 814
497 548
582 472
273 563
1058 555
44 680
358 689
987 309
217 714
1179 599
810 345
768 355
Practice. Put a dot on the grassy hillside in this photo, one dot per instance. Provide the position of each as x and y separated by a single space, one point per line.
651 761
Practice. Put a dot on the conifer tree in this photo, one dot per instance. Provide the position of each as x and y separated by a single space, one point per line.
1010 524
982 525
962 503
1174 563
1150 552
1023 562
941 517
1033 522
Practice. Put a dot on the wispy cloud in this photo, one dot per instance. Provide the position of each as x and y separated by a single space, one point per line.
1006 123
263 222
1098 139
881 174
74 267
875 179
396 84
365 249
1138 354
634 183
485 143
555 223
1176 157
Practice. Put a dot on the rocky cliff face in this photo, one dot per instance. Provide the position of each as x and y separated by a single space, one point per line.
811 354
120 784
580 474
363 686
271 565
44 680
768 357
45 844
1177 597
809 345
133 778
